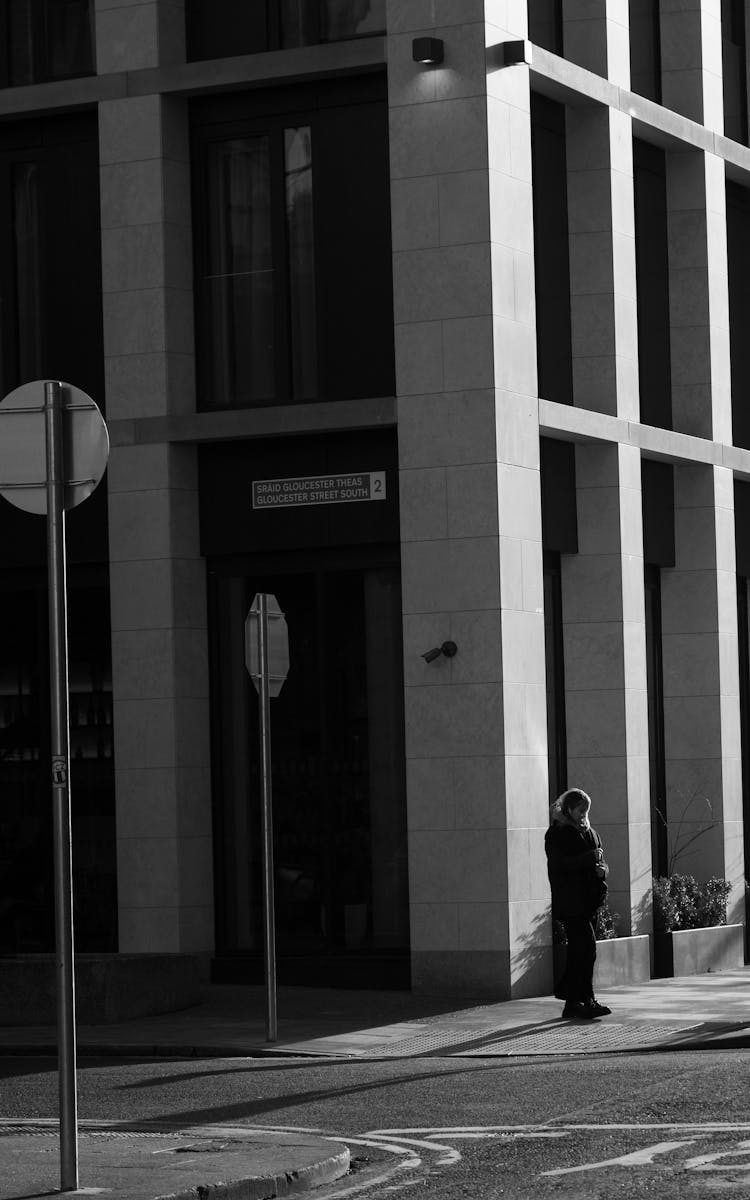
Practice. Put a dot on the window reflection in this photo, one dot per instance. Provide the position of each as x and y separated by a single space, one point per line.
299 217
305 22
28 280
239 285
52 40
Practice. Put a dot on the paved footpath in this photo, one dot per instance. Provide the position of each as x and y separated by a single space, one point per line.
117 1161
145 1162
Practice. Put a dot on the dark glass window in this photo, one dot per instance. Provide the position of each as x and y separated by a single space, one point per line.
293 299
557 743
645 49
50 256
652 284
45 39
738 256
26 877
742 544
733 56
655 690
546 24
552 264
218 28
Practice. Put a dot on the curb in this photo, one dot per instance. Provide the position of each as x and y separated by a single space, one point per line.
149 1050
260 1187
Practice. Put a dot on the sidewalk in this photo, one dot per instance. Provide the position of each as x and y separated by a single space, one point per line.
227 1163
693 1012
221 1162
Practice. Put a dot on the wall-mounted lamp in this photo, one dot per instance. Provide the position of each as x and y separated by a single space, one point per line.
427 50
447 648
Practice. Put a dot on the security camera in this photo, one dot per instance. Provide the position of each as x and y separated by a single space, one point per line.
447 648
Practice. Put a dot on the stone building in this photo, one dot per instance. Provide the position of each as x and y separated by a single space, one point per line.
446 351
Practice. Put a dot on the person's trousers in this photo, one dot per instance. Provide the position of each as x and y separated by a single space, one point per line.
577 981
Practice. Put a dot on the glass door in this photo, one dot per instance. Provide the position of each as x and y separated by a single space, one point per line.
338 779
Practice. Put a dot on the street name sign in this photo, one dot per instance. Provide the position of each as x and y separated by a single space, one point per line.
319 489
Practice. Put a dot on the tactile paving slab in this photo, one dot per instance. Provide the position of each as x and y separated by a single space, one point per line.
558 1037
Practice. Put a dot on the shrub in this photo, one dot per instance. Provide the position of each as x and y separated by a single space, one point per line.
606 923
605 926
680 902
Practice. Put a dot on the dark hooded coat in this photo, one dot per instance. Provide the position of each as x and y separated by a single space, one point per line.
572 856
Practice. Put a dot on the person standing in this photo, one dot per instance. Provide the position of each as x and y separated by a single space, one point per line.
578 881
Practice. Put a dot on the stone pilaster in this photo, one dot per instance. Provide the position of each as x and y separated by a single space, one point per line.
470 508
597 37
159 644
698 295
701 687
603 600
605 670
699 609
131 34
691 60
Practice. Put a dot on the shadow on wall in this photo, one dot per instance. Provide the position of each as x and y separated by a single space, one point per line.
532 964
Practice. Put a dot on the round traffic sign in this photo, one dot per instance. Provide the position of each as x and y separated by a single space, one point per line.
23 446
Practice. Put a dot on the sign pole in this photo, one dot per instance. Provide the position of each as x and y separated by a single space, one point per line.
60 747
269 933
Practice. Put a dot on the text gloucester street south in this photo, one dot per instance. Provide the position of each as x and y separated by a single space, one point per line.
319 489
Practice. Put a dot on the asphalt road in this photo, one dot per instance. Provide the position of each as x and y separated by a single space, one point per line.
675 1124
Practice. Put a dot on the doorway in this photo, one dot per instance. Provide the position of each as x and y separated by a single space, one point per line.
339 811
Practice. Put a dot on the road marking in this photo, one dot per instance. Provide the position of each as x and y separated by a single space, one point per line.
702 1162
639 1158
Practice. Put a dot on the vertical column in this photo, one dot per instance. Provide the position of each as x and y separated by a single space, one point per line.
699 295
159 646
138 33
605 671
691 60
699 611
701 684
603 597
470 511
597 37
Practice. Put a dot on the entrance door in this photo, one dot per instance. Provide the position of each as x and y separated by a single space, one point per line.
338 779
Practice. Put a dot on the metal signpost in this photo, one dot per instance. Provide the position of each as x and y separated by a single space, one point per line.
267 660
53 452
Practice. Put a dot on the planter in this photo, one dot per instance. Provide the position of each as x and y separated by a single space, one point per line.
698 951
619 961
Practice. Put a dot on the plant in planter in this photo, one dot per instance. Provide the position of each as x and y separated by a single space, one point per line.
691 935
680 902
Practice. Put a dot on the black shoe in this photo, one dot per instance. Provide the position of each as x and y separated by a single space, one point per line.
575 1009
598 1010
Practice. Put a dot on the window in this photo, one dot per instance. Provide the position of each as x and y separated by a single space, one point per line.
551 260
293 279
733 50
645 49
45 39
220 28
26 835
738 247
557 746
652 284
50 258
655 690
546 24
